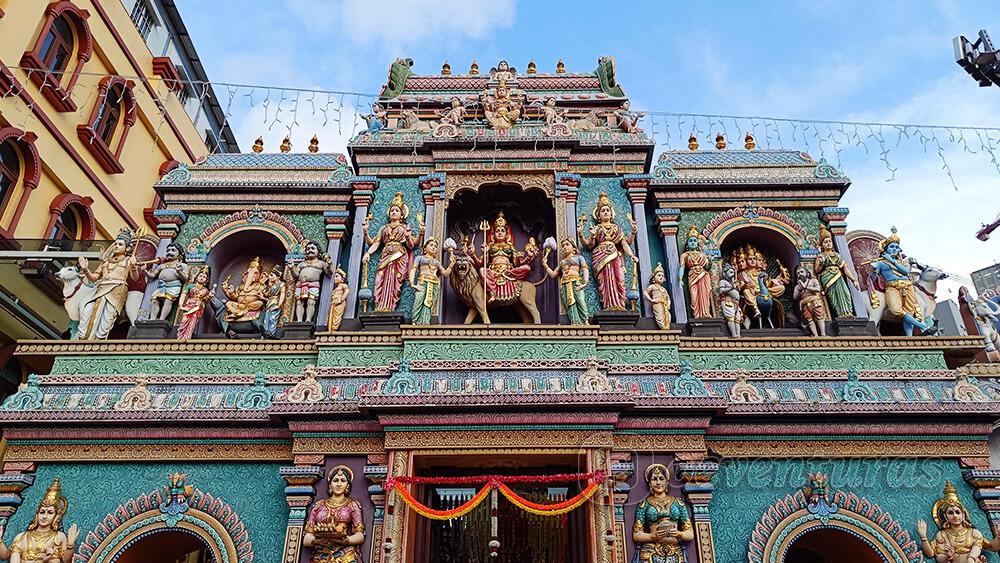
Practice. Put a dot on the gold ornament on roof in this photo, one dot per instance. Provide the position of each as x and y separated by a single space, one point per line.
314 144
749 143
692 142
720 141
474 69
446 69
286 145
560 67
532 68
258 145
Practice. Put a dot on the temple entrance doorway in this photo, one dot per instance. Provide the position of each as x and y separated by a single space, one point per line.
167 547
828 545
523 537
529 214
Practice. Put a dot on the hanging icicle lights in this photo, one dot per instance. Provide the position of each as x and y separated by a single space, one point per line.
284 110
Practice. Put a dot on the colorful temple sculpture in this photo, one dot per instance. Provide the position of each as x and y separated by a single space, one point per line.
503 329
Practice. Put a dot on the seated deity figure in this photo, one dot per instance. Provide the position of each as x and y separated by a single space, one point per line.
101 312
244 303
662 522
43 541
335 528
502 110
502 265
891 275
957 540
759 290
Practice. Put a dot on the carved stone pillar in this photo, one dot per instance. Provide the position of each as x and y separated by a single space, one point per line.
697 479
336 228
393 536
835 218
432 188
637 186
168 224
567 188
987 485
16 477
300 490
668 220
375 472
363 192
604 509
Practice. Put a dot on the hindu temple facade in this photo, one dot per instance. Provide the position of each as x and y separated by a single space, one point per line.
502 328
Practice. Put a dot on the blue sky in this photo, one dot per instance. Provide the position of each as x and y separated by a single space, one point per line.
888 61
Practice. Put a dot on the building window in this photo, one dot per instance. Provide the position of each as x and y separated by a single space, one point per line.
143 18
10 172
20 170
71 218
65 37
113 115
67 225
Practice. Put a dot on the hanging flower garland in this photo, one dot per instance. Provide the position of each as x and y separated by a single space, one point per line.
563 507
433 514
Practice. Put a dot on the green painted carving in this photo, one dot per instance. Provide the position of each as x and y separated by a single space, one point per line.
814 360
379 209
587 196
906 488
312 225
606 73
360 357
179 365
659 355
807 218
262 506
688 385
501 350
399 71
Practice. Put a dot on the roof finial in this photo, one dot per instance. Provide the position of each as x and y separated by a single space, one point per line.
314 144
749 142
474 69
692 142
720 141
560 67
286 145
258 145
446 69
532 69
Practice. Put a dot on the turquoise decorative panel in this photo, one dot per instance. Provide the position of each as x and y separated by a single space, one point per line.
816 360
312 225
379 209
254 490
905 488
590 190
179 365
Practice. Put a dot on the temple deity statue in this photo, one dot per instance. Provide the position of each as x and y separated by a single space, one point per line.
573 276
809 295
729 300
99 315
335 528
502 265
171 273
759 290
425 279
662 522
832 270
275 291
628 120
891 275
308 275
455 115
397 241
376 120
338 299
502 109
191 304
696 264
551 114
658 297
44 541
503 72
243 303
957 540
607 243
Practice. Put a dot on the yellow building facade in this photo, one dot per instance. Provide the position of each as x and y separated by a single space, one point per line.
92 114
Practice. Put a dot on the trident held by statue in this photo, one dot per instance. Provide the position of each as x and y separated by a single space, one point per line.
484 226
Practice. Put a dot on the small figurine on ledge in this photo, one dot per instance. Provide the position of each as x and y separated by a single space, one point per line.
696 264
308 276
729 300
573 275
275 292
338 299
428 270
240 310
335 528
118 264
43 541
191 304
658 297
171 273
809 296
891 276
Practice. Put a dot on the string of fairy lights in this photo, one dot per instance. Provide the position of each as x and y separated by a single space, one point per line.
286 111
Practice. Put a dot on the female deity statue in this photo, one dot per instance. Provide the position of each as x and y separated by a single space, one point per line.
574 277
335 529
398 242
607 243
809 296
697 264
831 270
43 541
957 540
455 115
658 297
425 279
275 293
191 304
662 523
628 120
338 299
729 300
100 314
503 265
